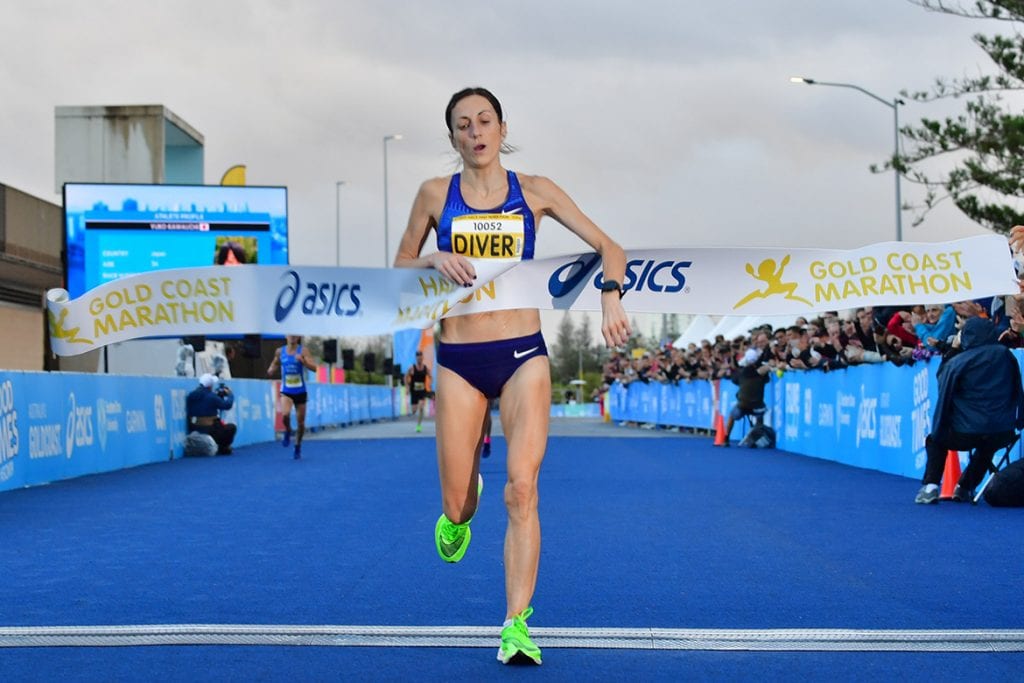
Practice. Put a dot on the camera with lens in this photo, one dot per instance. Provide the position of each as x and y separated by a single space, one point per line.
223 391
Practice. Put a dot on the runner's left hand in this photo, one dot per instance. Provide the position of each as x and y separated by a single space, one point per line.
614 321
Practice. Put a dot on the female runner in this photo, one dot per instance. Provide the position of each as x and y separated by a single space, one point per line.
501 353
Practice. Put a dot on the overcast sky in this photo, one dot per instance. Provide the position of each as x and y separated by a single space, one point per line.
671 123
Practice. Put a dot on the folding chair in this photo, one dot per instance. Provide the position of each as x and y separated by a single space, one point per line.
751 420
994 467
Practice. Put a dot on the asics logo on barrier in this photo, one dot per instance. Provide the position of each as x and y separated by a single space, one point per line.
101 422
641 274
79 426
159 415
316 298
867 422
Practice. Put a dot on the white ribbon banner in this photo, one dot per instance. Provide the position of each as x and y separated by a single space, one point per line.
361 301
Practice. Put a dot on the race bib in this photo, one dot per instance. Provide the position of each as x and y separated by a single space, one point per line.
419 386
293 381
489 235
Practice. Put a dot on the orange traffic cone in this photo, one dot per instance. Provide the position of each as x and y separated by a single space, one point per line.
720 435
951 475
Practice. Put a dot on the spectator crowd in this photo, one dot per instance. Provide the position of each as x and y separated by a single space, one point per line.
898 335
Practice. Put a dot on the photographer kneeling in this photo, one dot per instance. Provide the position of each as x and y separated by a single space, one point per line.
751 377
980 406
202 410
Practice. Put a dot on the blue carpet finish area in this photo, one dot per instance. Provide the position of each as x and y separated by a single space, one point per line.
639 533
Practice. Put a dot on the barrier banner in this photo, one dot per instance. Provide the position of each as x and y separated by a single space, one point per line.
874 416
340 404
361 301
58 425
680 404
575 410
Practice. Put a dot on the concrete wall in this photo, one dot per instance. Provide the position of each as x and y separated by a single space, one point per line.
183 157
126 144
23 332
32 228
30 263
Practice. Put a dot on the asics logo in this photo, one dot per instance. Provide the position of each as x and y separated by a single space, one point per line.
316 298
519 354
569 276
655 276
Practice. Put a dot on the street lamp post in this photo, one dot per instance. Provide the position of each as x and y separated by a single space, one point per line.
386 139
895 106
337 244
337 221
395 136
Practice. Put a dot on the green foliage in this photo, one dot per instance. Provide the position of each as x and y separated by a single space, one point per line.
573 346
983 147
593 380
565 353
315 345
360 376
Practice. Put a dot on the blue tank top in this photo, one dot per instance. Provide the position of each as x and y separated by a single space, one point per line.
505 232
293 372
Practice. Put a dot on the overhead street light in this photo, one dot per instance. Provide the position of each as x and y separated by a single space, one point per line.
893 104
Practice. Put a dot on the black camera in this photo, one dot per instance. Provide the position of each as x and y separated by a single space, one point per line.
222 390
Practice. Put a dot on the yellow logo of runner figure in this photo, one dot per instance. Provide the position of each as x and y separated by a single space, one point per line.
58 331
770 275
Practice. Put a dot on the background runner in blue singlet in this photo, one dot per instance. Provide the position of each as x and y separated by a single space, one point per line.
292 360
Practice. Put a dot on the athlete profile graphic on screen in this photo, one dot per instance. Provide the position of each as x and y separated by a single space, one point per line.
235 251
113 230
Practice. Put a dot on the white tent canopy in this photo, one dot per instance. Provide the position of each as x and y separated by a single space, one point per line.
698 329
730 327
726 326
740 328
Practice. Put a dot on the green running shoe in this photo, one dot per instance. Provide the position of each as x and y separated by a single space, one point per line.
515 641
451 539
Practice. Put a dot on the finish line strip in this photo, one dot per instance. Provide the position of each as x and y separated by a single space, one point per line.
820 640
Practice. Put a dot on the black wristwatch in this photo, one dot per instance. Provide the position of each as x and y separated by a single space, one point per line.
612 286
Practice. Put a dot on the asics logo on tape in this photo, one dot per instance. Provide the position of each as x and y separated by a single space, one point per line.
316 298
641 274
569 276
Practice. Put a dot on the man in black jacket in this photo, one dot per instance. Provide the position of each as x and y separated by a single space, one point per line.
750 377
980 405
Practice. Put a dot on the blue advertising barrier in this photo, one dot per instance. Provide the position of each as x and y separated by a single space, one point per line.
575 410
686 404
58 425
340 404
872 416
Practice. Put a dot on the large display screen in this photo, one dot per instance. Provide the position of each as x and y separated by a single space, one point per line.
114 230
